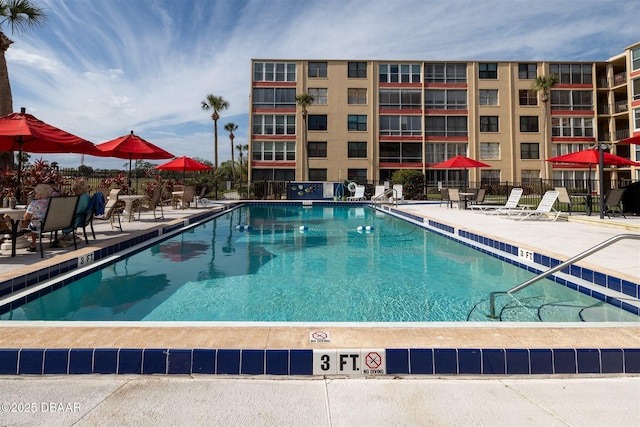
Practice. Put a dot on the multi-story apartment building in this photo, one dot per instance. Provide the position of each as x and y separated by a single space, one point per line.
371 118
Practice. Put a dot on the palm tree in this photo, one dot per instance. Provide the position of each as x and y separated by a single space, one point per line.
231 127
215 103
240 148
19 15
303 101
542 85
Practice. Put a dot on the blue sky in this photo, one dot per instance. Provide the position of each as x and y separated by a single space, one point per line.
101 68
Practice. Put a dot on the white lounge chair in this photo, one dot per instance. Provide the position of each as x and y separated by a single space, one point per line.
358 194
545 207
397 192
512 203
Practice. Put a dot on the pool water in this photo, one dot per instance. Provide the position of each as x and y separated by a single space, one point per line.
310 264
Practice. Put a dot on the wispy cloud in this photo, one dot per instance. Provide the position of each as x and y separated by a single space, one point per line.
102 68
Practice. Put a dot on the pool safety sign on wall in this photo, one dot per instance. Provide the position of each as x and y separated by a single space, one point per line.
349 362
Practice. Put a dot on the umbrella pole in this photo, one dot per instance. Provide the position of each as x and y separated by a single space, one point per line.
19 171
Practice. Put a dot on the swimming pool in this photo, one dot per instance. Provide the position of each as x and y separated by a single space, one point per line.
309 264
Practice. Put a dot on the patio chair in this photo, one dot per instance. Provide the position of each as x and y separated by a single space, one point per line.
358 194
454 196
565 199
512 203
444 197
480 196
613 202
397 193
200 198
186 198
60 215
544 208
149 204
113 208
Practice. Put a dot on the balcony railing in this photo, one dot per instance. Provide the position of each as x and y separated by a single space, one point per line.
619 79
621 106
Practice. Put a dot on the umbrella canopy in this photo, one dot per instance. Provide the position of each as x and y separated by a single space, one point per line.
592 157
635 139
461 162
23 132
184 164
132 147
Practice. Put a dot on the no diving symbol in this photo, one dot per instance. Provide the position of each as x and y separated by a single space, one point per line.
320 335
373 360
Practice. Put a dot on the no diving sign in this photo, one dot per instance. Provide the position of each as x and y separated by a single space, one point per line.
319 336
349 362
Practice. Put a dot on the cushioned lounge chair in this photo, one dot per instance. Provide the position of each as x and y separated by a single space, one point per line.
542 211
512 203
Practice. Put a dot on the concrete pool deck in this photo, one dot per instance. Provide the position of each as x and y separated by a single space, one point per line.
336 401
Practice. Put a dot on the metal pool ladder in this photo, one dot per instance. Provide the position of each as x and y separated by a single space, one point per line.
570 261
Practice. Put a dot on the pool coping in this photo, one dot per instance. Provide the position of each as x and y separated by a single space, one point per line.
215 348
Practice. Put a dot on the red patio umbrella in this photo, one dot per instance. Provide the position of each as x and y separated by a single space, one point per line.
635 139
183 164
461 162
592 157
132 147
23 132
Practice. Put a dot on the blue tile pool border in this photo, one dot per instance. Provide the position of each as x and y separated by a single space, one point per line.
299 362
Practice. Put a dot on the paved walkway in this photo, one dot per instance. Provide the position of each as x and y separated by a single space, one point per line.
210 401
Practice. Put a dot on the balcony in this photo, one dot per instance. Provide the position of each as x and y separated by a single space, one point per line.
620 79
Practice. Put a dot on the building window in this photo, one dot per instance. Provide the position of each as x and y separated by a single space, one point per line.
488 70
445 73
445 126
399 73
318 149
357 70
318 69
635 58
317 122
636 121
400 99
401 125
489 151
562 149
527 97
439 152
572 126
572 73
489 176
357 96
357 150
274 72
529 124
527 176
445 99
274 125
401 152
319 95
529 150
635 89
527 71
274 97
357 122
576 100
317 174
357 175
488 97
489 124
273 151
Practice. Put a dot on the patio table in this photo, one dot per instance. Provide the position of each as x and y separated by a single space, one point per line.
16 218
128 202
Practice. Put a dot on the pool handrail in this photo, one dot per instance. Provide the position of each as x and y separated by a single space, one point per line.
570 261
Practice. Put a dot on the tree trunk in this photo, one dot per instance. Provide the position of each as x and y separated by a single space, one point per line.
233 160
6 100
215 118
